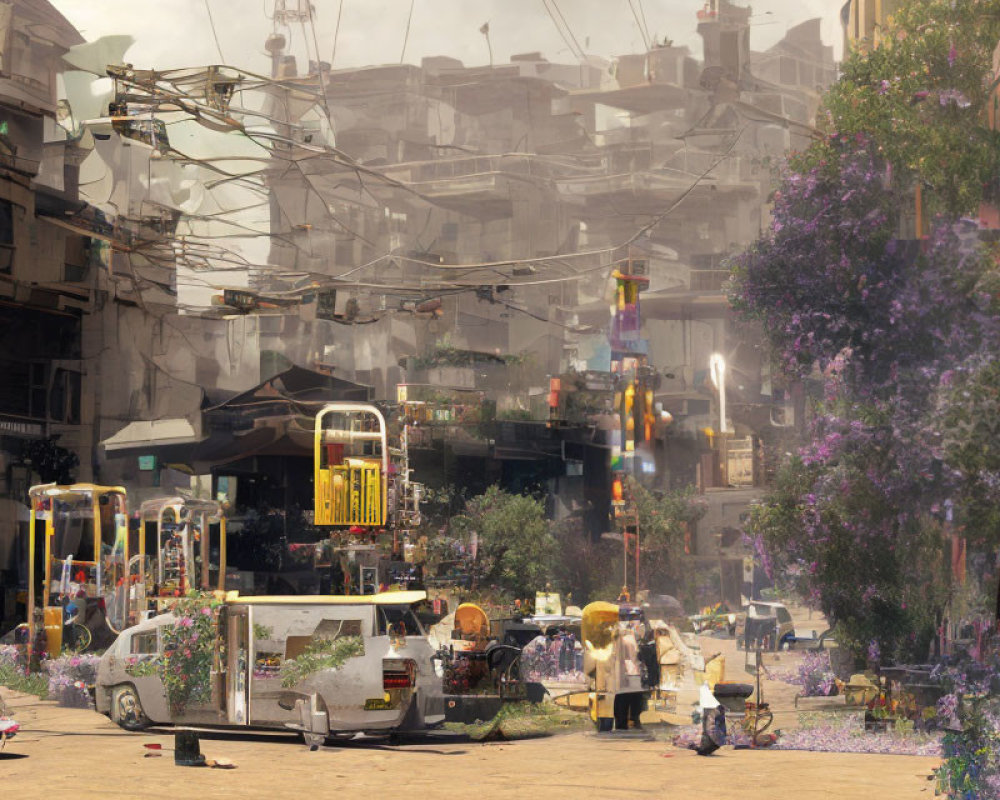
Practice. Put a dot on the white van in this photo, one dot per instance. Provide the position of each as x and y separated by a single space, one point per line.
391 684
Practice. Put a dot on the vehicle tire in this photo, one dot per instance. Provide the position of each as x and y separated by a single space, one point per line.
126 710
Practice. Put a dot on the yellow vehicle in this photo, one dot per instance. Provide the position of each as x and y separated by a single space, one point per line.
610 661
83 529
182 560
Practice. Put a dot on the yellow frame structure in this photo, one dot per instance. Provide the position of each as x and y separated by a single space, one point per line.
351 493
208 511
51 492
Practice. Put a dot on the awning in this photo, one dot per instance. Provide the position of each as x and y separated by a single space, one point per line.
137 435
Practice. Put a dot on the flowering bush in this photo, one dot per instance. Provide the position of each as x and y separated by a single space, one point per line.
189 650
860 514
923 97
69 679
970 713
15 675
814 674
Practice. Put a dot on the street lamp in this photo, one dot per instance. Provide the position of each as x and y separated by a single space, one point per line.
717 371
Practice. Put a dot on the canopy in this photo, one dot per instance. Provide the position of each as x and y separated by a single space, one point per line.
152 508
143 433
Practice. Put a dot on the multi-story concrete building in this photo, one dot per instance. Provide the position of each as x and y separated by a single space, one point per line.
513 190
46 272
455 229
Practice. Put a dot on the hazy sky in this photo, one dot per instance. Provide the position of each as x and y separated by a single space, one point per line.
176 33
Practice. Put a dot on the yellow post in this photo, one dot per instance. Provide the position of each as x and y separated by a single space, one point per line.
31 580
95 510
204 550
222 553
49 533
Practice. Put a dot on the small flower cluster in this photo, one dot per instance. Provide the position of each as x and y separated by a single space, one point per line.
814 674
555 659
70 678
846 735
971 716
9 657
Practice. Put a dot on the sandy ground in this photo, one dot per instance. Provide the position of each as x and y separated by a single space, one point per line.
80 754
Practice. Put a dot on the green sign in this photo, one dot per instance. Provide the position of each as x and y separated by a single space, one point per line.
147 463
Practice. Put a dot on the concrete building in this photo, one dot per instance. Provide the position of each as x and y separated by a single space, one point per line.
46 271
519 186
445 226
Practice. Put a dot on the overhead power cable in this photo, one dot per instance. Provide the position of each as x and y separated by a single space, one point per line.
215 35
406 36
574 50
336 34
638 24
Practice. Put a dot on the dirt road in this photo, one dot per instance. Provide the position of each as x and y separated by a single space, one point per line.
80 754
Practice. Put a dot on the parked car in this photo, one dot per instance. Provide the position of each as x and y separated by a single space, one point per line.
717 618
764 622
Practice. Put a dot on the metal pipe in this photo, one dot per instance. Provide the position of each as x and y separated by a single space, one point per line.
222 553
31 579
48 552
204 550
337 436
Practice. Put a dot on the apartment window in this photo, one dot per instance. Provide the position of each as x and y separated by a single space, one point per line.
64 397
37 390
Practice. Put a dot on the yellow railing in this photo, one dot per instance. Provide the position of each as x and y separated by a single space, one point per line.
350 494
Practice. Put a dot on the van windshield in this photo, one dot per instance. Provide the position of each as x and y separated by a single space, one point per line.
399 620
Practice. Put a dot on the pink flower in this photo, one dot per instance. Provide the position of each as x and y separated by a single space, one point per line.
207 611
185 622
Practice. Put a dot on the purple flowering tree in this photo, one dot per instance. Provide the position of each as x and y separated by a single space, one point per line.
878 326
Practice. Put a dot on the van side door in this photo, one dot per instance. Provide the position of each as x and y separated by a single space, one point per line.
236 641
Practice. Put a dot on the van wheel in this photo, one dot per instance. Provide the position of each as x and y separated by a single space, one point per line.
126 710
